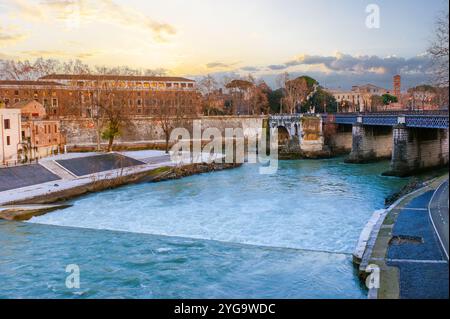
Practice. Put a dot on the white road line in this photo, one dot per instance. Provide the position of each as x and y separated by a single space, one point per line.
432 221
415 261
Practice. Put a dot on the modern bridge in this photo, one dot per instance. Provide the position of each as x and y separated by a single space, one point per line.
431 120
412 140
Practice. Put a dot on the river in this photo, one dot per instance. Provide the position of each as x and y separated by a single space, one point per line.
228 234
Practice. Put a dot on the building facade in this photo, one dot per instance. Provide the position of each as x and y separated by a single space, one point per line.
10 135
78 95
359 99
40 135
27 134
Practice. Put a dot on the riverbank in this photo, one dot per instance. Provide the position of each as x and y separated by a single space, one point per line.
34 200
402 242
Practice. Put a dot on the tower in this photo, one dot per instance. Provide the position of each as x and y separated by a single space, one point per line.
397 86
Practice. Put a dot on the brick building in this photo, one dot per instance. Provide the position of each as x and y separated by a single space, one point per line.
77 95
40 135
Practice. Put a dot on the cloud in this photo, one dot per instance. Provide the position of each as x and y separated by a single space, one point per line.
276 67
346 63
10 36
220 65
250 69
341 70
58 54
76 12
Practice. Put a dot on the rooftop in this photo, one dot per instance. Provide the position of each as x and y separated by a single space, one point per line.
92 77
27 82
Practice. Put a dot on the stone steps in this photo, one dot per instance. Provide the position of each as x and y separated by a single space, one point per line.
57 169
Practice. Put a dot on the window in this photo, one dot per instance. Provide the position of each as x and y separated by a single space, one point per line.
8 140
16 92
7 124
54 102
23 135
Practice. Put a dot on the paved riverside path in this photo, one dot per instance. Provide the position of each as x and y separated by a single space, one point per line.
416 251
22 176
439 215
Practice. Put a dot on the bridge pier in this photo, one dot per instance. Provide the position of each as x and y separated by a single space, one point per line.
418 149
370 143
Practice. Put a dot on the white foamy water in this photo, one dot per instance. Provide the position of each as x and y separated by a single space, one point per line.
315 205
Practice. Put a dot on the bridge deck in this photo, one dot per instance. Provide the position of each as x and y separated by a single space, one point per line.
421 120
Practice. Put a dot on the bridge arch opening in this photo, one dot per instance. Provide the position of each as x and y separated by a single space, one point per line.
283 135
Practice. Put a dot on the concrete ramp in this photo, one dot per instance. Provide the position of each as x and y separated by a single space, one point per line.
96 164
23 176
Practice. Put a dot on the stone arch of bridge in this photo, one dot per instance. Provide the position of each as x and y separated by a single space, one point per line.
283 134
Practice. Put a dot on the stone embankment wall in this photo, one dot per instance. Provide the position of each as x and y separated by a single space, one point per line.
147 130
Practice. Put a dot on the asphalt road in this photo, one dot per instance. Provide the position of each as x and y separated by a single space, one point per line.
439 214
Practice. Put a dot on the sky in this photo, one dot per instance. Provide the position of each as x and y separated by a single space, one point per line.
327 39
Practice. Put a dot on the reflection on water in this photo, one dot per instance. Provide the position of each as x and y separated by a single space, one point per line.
230 234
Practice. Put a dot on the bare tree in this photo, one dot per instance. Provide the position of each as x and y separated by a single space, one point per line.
208 85
297 91
170 114
282 79
32 70
114 106
259 99
439 51
29 70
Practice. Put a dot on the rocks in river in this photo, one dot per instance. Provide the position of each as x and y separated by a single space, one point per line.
193 169
408 188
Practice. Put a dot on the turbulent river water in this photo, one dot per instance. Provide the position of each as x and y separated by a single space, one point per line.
229 234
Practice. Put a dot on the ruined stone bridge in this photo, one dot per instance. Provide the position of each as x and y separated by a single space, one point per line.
413 141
